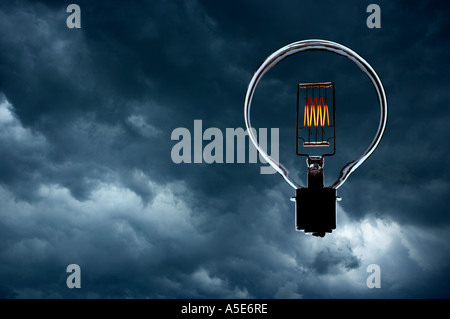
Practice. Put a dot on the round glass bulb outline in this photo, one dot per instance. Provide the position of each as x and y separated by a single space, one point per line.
322 45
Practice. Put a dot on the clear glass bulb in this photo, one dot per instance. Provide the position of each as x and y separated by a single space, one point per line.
322 45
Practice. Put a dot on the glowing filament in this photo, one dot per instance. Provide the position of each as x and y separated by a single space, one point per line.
316 111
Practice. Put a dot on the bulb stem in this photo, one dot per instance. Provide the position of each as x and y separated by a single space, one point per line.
315 171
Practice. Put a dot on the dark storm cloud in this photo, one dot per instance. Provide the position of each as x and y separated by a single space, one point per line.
405 174
123 67
325 260
86 174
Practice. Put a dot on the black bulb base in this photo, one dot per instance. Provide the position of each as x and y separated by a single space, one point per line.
315 210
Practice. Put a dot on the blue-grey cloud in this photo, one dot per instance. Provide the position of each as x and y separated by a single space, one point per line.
86 176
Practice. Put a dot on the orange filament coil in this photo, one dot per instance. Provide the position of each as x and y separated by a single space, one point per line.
316 112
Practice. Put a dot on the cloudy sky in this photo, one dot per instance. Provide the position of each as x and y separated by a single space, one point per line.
87 178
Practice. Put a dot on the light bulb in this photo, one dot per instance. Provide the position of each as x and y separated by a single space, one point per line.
316 204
